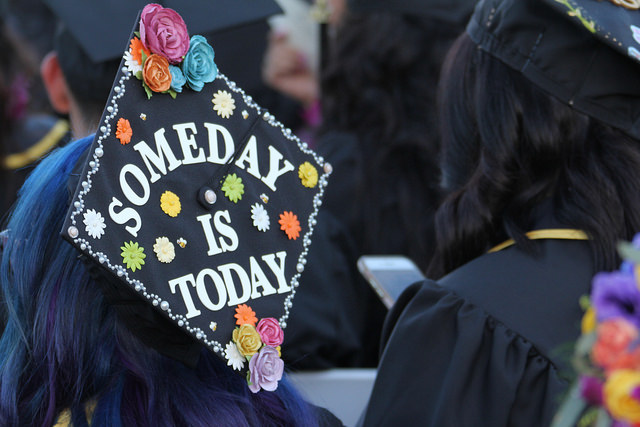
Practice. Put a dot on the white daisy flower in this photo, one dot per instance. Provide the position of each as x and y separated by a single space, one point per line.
94 223
164 250
260 217
132 65
234 358
223 103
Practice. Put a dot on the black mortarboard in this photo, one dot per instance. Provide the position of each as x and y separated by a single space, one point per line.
101 27
452 11
583 52
197 200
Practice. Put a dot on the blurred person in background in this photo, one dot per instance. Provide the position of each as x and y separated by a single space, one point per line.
29 129
539 111
379 133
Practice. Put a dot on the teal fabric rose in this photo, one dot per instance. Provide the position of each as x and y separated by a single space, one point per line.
177 78
198 66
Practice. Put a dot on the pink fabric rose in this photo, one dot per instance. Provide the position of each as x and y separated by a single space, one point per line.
164 32
265 370
270 332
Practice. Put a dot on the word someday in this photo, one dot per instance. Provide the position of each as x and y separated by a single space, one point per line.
162 160
222 283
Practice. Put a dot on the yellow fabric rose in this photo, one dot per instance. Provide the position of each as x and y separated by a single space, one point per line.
589 321
247 340
617 395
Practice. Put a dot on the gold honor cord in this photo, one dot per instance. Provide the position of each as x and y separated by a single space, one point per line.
33 153
551 233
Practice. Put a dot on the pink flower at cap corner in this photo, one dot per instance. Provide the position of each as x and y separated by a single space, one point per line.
265 370
270 332
163 31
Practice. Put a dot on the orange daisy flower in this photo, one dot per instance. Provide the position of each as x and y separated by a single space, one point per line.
289 224
137 47
123 131
245 315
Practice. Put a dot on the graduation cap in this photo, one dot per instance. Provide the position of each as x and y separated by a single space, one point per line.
452 11
101 27
93 33
583 52
198 201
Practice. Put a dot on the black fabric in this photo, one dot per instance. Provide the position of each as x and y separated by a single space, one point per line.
551 47
145 323
327 419
484 345
452 11
328 322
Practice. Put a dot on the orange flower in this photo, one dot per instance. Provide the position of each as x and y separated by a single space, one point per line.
289 224
611 350
137 48
123 131
156 73
245 315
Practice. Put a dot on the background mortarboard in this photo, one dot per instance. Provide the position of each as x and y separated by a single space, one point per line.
452 11
101 27
583 52
169 182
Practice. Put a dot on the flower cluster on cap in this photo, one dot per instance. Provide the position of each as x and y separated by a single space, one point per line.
258 344
163 56
607 354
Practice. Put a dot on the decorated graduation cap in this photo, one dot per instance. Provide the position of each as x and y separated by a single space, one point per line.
583 52
196 203
452 11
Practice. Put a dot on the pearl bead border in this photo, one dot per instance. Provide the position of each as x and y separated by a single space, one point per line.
94 166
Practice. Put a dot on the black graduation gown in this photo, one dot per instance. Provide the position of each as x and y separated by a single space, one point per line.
483 346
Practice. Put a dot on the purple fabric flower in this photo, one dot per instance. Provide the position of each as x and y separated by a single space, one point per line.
616 295
265 370
591 390
164 32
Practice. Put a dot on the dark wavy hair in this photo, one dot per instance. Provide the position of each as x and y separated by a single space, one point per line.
508 147
380 85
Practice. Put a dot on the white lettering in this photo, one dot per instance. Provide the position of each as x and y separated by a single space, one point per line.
157 158
124 216
126 188
188 143
183 285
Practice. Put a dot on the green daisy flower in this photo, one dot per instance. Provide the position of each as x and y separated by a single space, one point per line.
233 187
133 255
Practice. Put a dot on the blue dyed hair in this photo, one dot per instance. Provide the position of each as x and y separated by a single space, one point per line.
63 346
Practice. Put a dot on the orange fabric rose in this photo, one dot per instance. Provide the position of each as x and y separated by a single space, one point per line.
611 349
156 73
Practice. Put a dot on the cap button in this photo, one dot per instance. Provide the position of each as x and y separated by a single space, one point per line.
210 196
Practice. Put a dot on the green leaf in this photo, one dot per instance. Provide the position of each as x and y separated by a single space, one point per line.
138 75
143 56
137 34
146 89
173 93
571 409
629 252
585 302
